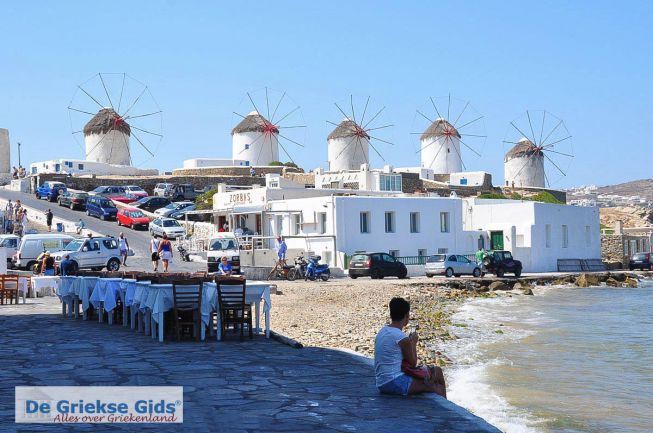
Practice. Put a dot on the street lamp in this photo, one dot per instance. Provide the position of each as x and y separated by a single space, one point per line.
19 153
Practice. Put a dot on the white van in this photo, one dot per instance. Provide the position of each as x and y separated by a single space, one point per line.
33 245
223 244
10 243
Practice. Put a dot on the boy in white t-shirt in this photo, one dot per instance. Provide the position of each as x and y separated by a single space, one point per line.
391 347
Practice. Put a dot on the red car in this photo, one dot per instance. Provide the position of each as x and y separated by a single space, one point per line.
133 218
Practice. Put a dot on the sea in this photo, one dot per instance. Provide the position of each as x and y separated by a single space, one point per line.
565 360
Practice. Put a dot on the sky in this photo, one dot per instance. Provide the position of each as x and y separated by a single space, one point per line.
587 62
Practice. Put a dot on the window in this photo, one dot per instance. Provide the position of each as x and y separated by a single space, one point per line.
443 250
565 236
390 182
547 233
246 146
414 222
588 236
444 222
296 224
389 222
365 222
391 258
110 244
422 252
279 225
321 222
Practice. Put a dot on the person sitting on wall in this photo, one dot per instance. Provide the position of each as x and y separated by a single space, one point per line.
225 268
395 358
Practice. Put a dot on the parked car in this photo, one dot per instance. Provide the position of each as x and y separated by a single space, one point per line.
116 193
451 265
132 217
150 204
640 261
180 214
92 253
73 200
10 244
182 191
136 191
50 190
174 208
32 246
500 263
101 207
162 189
376 265
223 244
169 226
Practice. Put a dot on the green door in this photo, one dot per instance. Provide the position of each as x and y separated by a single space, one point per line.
496 240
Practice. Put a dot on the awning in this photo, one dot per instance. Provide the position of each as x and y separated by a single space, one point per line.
248 209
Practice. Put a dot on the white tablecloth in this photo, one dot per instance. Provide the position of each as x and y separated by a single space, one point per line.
83 288
107 291
45 286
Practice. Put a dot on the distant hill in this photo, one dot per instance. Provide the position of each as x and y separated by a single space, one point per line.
642 188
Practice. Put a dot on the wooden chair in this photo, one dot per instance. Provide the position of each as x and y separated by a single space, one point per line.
233 308
187 306
8 289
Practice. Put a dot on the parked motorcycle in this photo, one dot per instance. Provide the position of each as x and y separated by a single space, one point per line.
183 253
315 270
299 271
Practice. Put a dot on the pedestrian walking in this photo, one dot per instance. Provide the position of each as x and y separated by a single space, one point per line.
252 172
48 219
165 252
123 246
9 209
154 247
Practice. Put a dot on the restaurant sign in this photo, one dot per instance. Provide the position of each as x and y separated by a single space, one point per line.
227 200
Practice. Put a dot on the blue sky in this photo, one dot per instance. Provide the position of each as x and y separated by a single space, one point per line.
589 63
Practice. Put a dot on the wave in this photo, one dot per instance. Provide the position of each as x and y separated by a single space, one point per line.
478 323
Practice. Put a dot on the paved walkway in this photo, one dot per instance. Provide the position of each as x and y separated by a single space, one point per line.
233 386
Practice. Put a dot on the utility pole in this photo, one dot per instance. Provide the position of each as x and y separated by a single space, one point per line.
19 153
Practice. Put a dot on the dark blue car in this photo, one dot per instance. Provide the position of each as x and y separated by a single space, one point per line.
50 190
101 207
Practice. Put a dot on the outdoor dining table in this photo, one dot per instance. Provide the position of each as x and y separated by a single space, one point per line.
66 293
105 295
83 288
255 292
45 286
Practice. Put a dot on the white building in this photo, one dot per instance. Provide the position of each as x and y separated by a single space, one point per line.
214 163
255 139
538 234
440 148
336 223
363 179
348 147
80 167
524 165
106 138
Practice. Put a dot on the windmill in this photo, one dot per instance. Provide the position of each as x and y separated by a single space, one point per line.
110 109
451 123
541 150
349 143
259 134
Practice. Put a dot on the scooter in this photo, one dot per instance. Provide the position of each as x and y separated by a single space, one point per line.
185 257
315 270
299 271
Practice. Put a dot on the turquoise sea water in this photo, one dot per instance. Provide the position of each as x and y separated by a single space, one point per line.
565 360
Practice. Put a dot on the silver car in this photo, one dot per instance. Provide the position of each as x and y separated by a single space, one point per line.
162 189
169 226
174 208
92 253
451 265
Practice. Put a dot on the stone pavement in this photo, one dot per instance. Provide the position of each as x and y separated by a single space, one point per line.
250 386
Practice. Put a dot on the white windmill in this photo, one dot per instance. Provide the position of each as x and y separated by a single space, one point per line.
540 158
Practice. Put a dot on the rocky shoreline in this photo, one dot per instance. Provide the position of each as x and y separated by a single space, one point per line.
344 313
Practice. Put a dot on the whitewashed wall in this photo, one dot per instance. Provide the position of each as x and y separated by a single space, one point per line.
261 151
348 153
525 171
441 154
110 148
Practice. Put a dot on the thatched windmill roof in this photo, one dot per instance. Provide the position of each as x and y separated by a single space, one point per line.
254 122
347 128
524 147
104 121
438 128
